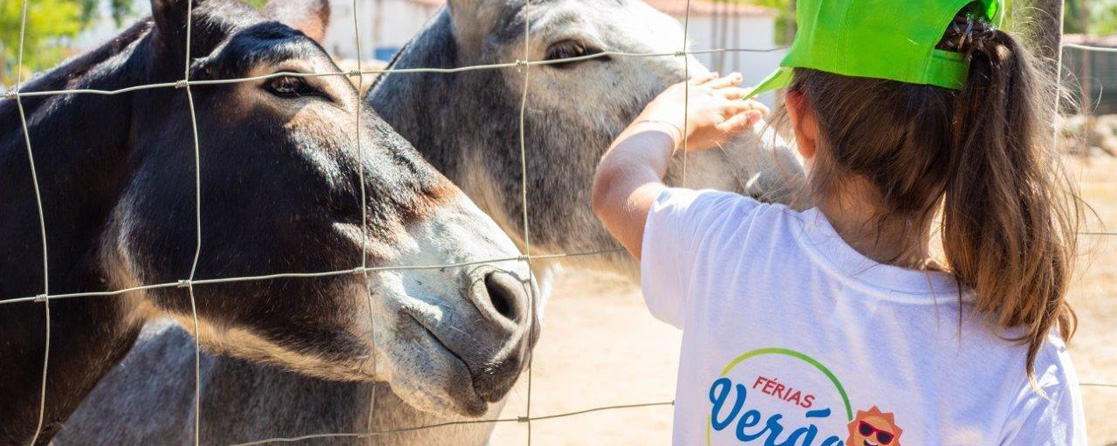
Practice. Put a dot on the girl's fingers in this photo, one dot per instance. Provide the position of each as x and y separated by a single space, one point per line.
732 125
734 92
762 109
740 122
728 81
703 79
736 107
754 117
756 105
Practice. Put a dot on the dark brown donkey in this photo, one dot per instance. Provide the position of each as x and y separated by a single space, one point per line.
280 193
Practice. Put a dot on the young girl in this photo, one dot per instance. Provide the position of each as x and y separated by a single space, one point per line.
839 325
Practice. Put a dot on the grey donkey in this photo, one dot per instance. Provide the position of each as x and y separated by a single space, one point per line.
467 125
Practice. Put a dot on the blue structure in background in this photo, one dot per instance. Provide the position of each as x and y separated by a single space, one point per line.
385 53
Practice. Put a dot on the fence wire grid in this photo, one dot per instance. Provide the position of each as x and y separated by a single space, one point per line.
363 270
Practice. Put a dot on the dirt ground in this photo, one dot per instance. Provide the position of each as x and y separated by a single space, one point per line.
601 347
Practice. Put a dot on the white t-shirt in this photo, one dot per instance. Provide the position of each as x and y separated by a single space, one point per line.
791 337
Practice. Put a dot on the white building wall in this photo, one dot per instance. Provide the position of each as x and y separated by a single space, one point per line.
383 25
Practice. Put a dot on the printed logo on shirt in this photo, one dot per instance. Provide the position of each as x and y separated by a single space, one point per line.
874 427
778 396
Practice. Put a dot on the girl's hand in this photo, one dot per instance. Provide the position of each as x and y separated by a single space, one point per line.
630 175
714 110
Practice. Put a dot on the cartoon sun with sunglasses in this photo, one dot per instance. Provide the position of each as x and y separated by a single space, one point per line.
874 428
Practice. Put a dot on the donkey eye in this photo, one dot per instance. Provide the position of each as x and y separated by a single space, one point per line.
566 49
290 87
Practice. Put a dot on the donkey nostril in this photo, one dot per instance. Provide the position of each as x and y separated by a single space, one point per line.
505 294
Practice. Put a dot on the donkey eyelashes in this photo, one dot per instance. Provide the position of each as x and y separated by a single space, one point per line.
291 87
565 49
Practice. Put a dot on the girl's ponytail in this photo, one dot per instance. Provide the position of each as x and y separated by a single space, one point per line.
1011 216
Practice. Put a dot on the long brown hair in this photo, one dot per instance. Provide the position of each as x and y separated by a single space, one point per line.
1010 214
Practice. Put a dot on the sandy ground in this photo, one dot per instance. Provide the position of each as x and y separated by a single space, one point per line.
601 347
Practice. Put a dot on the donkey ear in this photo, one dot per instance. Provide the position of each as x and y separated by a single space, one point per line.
312 17
471 17
462 7
170 23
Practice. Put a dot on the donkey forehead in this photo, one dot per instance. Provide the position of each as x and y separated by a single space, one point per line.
625 23
265 43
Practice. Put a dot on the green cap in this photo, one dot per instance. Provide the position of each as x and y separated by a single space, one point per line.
881 39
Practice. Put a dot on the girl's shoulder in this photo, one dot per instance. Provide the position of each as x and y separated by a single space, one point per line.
1050 406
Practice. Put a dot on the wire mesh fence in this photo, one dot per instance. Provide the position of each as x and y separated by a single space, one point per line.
191 281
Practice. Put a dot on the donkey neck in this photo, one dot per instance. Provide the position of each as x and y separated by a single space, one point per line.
81 148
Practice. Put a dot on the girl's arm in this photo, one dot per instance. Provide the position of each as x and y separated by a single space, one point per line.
630 175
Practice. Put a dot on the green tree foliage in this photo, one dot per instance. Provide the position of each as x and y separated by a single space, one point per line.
1094 17
48 22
